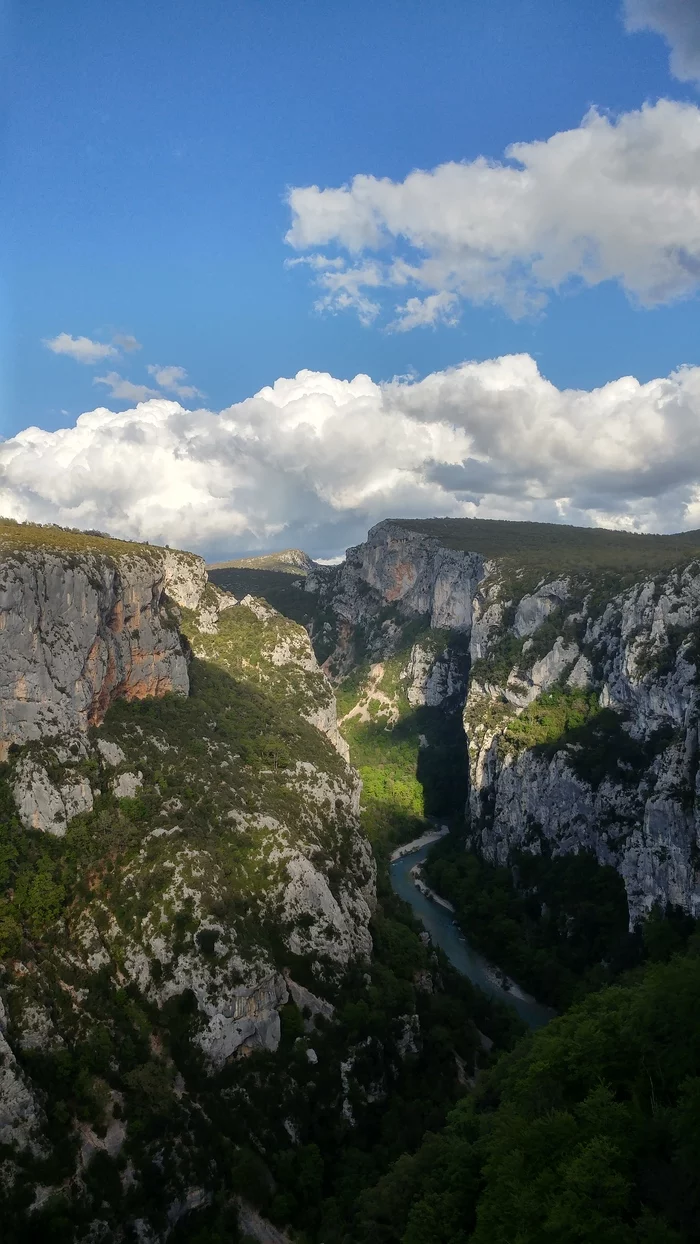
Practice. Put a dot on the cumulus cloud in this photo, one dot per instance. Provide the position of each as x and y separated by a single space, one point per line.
616 199
171 378
678 21
314 461
82 349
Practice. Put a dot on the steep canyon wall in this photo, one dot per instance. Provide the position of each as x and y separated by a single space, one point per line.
581 706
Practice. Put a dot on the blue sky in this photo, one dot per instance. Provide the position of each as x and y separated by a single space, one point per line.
152 147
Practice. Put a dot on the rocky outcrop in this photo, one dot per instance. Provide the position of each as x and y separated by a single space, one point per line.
434 678
44 806
625 787
405 569
248 1020
534 609
20 1115
78 632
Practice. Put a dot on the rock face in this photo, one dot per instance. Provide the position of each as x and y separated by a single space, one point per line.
77 633
399 567
20 1116
626 787
623 786
433 678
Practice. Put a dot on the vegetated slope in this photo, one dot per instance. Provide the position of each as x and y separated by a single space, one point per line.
23 538
558 545
286 561
589 1131
195 1003
283 591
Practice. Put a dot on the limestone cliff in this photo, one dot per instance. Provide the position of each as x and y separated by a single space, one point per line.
403 569
193 851
581 707
582 719
79 630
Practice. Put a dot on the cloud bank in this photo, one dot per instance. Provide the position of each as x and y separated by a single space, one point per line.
314 461
678 21
617 199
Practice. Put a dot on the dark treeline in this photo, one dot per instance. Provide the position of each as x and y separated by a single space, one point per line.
558 925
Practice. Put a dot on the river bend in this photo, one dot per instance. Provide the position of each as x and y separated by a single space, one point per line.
440 924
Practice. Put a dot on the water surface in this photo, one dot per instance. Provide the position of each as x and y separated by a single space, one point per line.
440 924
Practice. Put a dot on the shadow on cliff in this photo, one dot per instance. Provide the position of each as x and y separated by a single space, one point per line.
442 766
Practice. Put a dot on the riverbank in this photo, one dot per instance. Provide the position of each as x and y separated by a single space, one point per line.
438 920
420 884
426 840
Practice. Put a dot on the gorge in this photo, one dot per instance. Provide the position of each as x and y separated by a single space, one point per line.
216 1015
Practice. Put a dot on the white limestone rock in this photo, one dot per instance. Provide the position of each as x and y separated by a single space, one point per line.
581 676
43 806
248 1020
184 577
20 1116
433 678
321 923
110 753
533 610
522 688
405 568
126 785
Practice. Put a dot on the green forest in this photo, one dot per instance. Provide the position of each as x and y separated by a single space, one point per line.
557 544
589 1130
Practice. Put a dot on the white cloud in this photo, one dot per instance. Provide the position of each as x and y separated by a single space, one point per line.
170 378
124 389
679 23
313 461
613 200
342 285
82 349
434 309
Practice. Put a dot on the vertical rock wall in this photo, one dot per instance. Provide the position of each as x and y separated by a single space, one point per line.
78 632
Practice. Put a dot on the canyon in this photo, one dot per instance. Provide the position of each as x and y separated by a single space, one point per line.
206 987
579 697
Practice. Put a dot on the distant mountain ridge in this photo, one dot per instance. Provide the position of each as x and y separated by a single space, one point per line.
288 561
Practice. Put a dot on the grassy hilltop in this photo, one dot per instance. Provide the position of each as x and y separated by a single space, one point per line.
557 544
